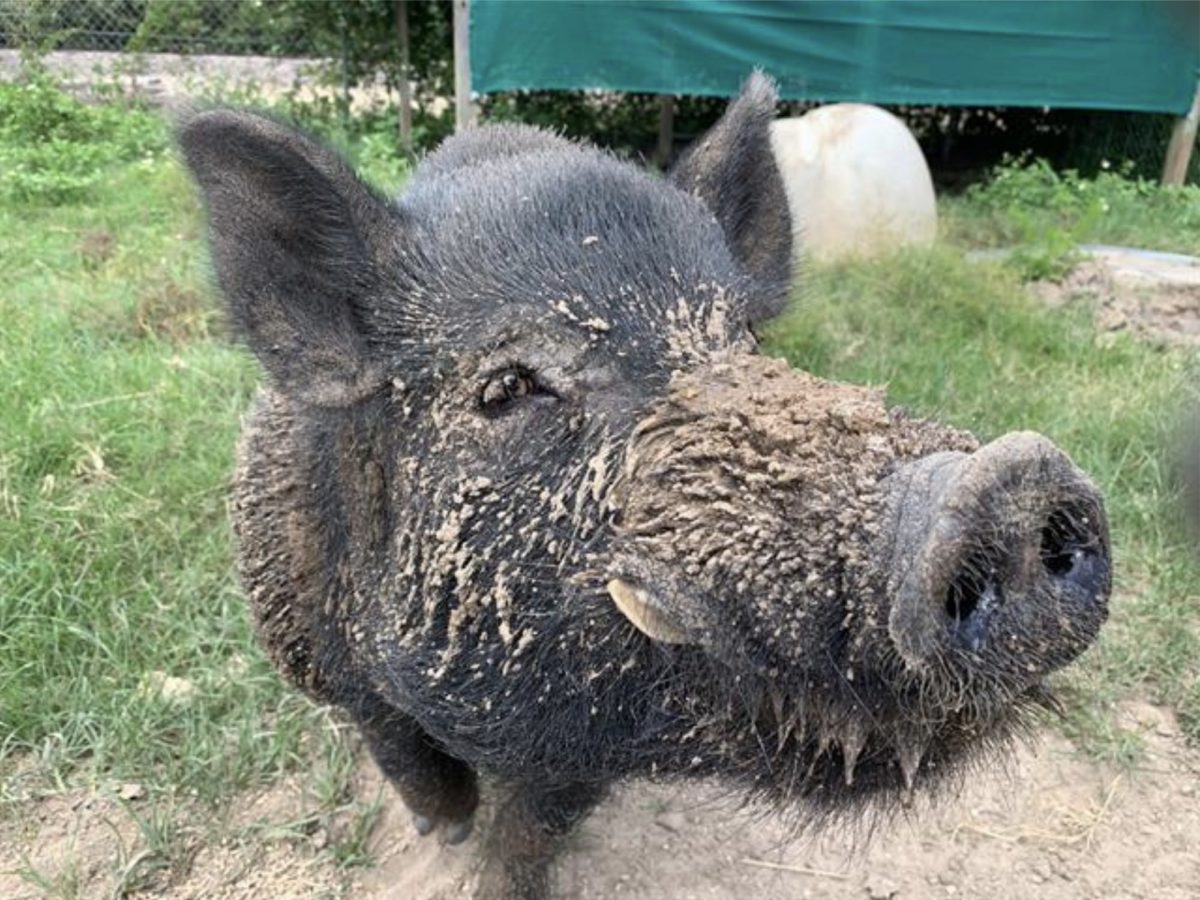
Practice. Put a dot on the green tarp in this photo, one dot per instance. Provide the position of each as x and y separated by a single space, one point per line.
1107 55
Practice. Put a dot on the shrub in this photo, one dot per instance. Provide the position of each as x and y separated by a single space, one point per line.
1044 214
54 148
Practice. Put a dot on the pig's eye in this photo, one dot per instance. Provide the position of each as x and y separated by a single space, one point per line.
506 387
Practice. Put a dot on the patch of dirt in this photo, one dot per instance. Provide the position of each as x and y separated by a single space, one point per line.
163 309
1155 296
87 843
1054 826
95 248
73 842
173 311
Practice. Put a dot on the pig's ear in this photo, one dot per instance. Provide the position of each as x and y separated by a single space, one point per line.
732 170
298 244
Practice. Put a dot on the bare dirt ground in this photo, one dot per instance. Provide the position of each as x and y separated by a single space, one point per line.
1155 296
1053 826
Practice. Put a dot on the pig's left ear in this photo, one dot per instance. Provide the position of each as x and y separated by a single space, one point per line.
732 170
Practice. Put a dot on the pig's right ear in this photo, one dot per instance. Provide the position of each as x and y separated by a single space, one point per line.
298 244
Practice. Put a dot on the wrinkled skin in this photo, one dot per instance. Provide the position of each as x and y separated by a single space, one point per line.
523 499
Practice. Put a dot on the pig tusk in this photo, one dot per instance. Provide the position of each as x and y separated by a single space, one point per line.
638 607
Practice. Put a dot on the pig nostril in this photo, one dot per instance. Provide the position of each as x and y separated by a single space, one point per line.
963 598
1067 539
970 600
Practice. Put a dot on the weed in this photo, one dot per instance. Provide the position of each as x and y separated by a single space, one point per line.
1092 726
55 149
65 884
117 426
352 847
1047 255
162 852
1044 213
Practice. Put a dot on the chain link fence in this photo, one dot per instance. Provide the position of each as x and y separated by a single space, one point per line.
258 27
340 54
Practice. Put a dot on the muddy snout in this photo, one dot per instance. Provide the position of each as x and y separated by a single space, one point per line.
1002 559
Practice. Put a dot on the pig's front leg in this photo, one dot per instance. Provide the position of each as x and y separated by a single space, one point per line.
440 790
529 830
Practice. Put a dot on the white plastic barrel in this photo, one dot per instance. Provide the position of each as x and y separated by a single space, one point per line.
856 180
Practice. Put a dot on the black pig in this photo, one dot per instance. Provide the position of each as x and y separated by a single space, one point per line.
522 498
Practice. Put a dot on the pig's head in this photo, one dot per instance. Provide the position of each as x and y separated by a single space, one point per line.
520 470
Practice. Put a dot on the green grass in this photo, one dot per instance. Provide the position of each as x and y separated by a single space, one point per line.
126 653
117 420
119 408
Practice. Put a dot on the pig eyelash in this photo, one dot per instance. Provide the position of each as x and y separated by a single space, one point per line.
504 388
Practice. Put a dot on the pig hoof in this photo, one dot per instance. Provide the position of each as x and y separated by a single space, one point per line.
457 832
423 824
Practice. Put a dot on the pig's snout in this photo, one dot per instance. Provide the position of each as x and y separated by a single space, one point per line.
1002 556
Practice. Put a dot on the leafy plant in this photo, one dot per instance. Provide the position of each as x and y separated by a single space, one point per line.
1044 213
54 149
